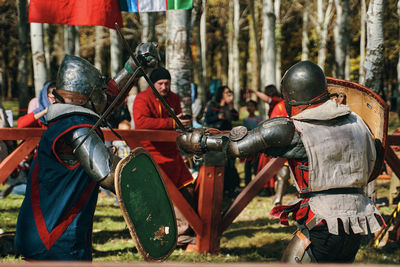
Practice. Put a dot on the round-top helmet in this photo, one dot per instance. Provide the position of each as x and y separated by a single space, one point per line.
80 83
304 84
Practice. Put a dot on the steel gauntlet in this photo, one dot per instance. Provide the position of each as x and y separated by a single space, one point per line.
147 56
199 141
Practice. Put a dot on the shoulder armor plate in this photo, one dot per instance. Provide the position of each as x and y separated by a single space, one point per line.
59 110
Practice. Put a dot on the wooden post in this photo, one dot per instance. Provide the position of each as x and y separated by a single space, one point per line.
209 190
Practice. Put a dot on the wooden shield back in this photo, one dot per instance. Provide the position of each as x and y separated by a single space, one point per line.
365 103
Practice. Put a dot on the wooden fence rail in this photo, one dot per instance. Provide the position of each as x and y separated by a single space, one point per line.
207 221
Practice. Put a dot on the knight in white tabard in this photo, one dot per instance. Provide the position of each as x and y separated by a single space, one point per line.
332 155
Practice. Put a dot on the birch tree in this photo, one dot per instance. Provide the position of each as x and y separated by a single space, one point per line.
268 74
69 39
363 13
342 38
77 45
38 57
398 62
199 31
235 54
22 78
374 60
99 48
47 47
147 20
203 41
304 33
115 52
278 42
178 56
257 45
323 20
230 43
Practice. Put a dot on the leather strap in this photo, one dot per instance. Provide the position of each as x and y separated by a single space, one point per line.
332 191
72 97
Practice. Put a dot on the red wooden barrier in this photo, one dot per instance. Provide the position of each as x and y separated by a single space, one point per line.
208 222
165 264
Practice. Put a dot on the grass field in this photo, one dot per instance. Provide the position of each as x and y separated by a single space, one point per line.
254 236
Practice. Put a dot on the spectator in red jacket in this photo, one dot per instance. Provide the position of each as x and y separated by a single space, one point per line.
149 113
37 118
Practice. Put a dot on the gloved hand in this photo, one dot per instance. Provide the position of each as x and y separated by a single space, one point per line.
147 55
191 142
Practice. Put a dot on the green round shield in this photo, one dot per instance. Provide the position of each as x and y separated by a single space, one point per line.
145 205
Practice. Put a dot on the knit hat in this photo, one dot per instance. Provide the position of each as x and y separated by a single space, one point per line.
159 74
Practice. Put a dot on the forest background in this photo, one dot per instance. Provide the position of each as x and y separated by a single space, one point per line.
241 43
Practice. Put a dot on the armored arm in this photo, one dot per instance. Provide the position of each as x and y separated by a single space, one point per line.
147 56
277 132
98 162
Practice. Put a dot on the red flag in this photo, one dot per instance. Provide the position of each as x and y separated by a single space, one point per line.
76 12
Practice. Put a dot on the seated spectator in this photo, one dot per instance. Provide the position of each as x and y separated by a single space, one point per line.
37 118
149 113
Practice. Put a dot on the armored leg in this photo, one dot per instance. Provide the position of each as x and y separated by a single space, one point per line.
281 185
296 252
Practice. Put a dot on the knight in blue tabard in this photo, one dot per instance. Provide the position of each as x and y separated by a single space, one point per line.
56 217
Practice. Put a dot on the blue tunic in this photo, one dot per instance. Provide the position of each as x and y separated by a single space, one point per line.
56 217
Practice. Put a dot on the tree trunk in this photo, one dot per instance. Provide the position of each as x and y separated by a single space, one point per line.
77 44
38 57
235 54
398 62
47 47
305 40
230 43
22 78
115 52
69 39
268 75
278 43
341 33
257 45
99 49
203 40
363 13
196 25
178 56
322 30
147 19
374 60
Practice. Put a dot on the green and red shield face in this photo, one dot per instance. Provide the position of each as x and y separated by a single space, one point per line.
145 205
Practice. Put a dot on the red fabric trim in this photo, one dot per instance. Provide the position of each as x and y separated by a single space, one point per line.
49 238
298 109
59 136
